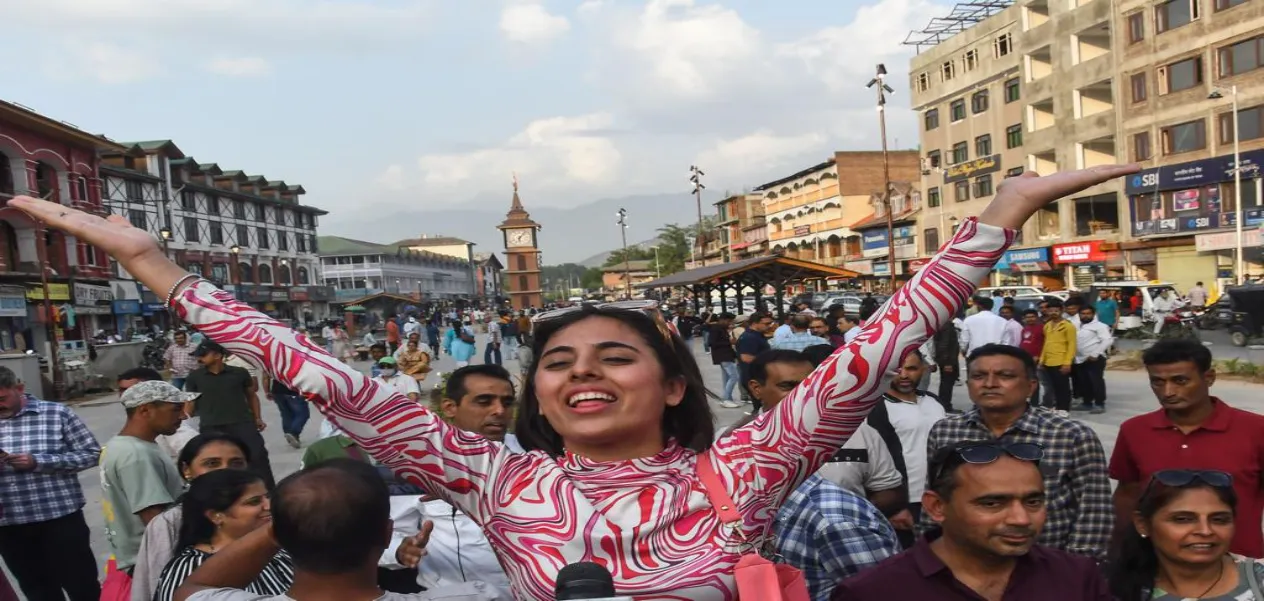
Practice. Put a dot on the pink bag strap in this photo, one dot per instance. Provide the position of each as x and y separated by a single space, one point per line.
716 492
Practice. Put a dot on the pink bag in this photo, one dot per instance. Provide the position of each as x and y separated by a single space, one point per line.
757 578
117 585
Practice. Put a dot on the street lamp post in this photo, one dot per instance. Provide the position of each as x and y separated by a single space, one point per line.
1240 268
627 265
879 82
695 177
165 233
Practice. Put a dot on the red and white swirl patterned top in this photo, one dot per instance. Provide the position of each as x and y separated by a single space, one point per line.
647 520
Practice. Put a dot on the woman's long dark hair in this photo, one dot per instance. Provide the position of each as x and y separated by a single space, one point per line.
690 423
1135 566
214 491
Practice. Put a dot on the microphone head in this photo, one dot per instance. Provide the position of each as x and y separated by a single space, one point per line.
584 580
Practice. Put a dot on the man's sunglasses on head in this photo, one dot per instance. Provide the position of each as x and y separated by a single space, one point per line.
982 453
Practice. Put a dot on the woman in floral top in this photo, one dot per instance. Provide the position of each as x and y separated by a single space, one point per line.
616 419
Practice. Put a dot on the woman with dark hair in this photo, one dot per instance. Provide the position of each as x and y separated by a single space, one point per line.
1177 546
615 418
203 454
220 508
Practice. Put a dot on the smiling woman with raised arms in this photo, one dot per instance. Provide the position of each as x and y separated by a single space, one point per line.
614 419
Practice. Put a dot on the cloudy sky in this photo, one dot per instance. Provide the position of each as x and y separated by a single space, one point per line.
427 104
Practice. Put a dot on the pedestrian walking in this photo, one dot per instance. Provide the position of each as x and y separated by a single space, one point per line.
229 404
1058 356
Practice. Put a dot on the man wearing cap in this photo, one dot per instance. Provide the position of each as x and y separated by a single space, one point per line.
138 479
389 376
229 404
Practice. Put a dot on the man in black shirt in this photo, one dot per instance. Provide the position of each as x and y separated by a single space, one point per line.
753 342
724 355
229 404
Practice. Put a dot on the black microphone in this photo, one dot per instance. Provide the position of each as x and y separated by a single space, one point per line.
584 580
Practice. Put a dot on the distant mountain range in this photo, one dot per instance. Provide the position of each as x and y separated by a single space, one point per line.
585 234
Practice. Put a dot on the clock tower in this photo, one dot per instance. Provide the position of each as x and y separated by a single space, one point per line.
522 256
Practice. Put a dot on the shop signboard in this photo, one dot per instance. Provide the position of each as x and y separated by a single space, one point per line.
881 269
12 305
916 265
279 295
94 309
1089 251
802 230
860 267
1193 174
89 294
969 169
57 292
151 308
127 307
1227 240
299 294
321 293
874 242
1025 260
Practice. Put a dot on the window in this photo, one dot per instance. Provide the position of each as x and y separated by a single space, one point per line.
302 276
265 273
1239 58
245 273
1141 150
90 257
1015 172
979 101
280 216
135 191
957 110
923 82
191 229
261 213
960 153
1012 91
137 218
1174 13
283 241
932 198
219 272
1014 136
1138 81
932 119
1249 125
300 242
243 236
1185 137
81 185
933 159
265 241
217 233
239 209
983 186
1136 27
311 242
1227 4
931 236
1184 74
212 205
961 190
522 283
972 60
947 71
1003 45
188 201
983 145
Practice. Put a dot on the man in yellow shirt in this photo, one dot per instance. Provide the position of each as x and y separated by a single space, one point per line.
1058 356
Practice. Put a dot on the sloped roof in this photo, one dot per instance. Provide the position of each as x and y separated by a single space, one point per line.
337 245
631 266
762 269
166 146
433 241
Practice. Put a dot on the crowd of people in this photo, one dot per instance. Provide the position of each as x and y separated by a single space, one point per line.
859 481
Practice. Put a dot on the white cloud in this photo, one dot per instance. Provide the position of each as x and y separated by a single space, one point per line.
762 150
557 152
531 23
392 178
246 66
106 63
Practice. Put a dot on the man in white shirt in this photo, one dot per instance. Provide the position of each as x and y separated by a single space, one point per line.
984 327
1013 326
1198 295
390 377
478 399
1160 308
1092 347
411 327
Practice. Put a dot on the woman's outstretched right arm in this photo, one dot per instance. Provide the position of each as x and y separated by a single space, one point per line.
397 432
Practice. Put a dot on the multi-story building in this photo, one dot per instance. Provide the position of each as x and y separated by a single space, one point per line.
245 233
446 245
488 278
356 269
875 267
615 278
735 213
44 157
810 213
1180 64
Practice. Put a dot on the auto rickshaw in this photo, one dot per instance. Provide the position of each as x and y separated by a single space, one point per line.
1247 303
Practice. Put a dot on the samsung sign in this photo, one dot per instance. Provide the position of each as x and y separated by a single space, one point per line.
1193 174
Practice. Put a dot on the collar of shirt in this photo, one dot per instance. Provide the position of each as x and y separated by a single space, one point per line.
1218 421
1030 421
929 564
30 405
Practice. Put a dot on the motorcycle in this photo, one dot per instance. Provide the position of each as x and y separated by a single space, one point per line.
154 355
1181 324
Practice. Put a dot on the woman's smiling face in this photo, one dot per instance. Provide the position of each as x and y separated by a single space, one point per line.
601 387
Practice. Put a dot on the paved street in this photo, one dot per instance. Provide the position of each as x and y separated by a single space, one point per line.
1129 396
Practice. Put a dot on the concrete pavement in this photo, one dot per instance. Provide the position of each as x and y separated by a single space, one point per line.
1129 395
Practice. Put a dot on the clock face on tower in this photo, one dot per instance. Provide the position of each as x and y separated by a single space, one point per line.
517 238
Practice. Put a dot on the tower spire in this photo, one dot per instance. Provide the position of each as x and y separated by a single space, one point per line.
517 202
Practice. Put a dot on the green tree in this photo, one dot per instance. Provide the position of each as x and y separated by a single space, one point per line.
591 280
635 253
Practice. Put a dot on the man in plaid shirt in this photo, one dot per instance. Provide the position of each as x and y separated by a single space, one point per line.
1000 380
43 537
180 360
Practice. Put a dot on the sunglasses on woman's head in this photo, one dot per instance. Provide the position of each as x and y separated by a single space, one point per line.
982 453
1184 478
645 306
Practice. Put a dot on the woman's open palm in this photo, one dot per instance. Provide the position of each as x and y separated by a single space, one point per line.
114 235
1018 198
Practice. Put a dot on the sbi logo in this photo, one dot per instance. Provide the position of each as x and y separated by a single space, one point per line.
1145 179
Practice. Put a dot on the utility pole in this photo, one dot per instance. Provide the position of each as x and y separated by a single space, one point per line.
879 82
695 177
627 264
